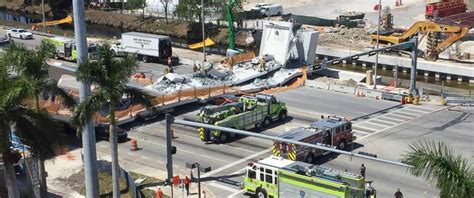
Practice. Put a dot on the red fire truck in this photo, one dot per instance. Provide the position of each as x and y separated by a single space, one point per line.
444 8
332 131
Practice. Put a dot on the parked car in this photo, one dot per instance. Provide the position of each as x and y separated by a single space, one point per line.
102 133
19 33
259 6
268 9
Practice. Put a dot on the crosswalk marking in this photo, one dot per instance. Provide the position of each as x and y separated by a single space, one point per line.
381 121
390 119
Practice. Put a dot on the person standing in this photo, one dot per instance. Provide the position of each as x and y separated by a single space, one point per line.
187 181
398 194
159 193
362 170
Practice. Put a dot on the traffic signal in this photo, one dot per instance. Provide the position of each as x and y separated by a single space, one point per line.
173 150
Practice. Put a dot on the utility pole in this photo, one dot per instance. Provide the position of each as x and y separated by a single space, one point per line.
203 34
377 45
88 134
199 180
44 17
414 57
169 158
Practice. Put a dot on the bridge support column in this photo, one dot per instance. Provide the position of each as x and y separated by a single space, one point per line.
448 77
471 80
354 63
426 74
459 78
384 67
405 70
437 76
364 65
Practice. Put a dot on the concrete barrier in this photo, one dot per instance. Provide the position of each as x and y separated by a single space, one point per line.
342 89
369 93
317 84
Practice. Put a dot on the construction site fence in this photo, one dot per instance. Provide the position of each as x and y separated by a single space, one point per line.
166 99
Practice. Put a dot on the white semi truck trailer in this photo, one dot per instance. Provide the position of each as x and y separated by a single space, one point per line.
145 46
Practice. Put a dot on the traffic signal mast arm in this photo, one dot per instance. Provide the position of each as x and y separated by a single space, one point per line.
248 133
400 46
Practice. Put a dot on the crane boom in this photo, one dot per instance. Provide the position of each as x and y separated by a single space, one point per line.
230 23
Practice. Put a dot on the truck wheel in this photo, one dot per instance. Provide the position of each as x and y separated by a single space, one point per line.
310 158
223 137
266 122
282 116
261 193
342 145
21 37
145 59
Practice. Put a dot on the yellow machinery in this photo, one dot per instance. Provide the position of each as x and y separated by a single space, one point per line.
435 44
68 19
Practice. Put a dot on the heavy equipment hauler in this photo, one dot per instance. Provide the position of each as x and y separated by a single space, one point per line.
66 48
249 112
276 177
331 131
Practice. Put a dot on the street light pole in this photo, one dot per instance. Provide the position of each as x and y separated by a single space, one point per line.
203 34
377 45
199 181
44 17
88 134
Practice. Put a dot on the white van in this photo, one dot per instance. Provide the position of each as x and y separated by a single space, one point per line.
272 10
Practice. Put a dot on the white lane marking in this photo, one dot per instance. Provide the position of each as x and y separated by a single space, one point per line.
361 132
385 120
182 150
357 140
417 111
223 187
366 128
376 124
235 163
177 134
393 118
235 194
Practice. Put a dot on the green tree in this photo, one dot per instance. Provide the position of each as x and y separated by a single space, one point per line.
34 127
31 82
438 164
111 75
191 9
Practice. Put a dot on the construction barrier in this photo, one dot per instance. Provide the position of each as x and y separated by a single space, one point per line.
342 89
369 92
318 84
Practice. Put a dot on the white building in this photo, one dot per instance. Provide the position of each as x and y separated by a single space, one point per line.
157 6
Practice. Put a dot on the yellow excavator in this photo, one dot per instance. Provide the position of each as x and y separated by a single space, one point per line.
435 44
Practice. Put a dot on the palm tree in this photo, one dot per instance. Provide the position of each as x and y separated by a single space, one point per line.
438 164
111 75
32 80
33 127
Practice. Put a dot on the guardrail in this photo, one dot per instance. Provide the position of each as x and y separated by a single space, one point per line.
461 100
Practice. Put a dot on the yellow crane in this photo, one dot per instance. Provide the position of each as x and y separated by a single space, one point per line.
435 44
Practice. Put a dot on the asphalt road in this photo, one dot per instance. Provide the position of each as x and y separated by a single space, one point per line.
386 134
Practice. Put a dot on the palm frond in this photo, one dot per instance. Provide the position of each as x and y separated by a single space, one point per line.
38 130
138 96
20 90
437 163
53 89
85 110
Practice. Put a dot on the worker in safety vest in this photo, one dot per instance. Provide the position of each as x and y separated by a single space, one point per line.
262 64
159 193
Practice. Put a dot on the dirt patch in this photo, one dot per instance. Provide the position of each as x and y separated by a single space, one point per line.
343 36
18 6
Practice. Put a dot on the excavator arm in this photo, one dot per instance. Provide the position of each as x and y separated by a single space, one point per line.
429 28
420 27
